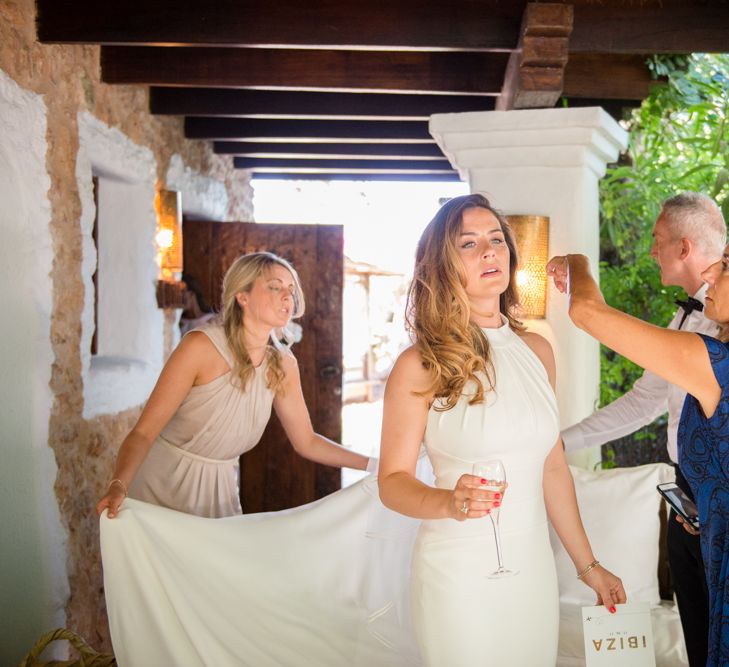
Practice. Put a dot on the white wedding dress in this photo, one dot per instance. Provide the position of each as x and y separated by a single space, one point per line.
463 618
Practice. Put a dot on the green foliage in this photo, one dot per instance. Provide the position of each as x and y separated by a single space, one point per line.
679 141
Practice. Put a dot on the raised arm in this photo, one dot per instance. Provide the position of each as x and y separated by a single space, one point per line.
403 426
291 409
677 356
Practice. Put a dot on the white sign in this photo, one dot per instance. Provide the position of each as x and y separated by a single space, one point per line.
624 638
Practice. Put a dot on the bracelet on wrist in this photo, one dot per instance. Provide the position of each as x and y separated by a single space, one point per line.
588 568
123 486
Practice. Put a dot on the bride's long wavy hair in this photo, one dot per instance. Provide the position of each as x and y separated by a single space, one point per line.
240 278
438 316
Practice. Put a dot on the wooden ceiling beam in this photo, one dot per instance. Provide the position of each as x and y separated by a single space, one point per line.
243 103
617 108
381 24
341 165
329 150
479 73
602 76
648 26
307 131
535 73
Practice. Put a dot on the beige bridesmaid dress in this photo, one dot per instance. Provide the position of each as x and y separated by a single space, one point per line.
192 466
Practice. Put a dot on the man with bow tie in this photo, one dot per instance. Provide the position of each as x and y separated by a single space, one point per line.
688 236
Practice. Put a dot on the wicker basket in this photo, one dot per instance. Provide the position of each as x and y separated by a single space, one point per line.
88 656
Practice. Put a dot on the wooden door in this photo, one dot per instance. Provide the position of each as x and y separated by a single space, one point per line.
273 476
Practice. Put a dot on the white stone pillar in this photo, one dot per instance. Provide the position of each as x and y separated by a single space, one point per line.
545 162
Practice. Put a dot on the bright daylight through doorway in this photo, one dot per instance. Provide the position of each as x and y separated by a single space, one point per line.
382 223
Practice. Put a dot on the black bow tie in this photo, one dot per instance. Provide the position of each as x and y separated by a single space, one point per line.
689 306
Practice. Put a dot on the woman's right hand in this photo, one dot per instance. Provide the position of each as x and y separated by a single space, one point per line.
112 500
470 500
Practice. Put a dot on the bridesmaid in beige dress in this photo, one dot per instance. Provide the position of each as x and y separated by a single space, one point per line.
214 397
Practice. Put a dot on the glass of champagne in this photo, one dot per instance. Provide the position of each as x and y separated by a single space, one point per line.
495 475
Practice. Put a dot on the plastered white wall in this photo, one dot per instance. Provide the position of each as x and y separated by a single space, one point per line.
203 197
33 578
131 327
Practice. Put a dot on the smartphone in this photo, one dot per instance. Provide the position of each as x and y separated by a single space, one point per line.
680 502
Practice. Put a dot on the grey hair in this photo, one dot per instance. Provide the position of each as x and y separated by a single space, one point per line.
696 217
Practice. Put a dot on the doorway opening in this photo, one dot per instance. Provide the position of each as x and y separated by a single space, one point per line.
382 223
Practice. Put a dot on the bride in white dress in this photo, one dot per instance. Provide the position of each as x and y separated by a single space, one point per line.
477 386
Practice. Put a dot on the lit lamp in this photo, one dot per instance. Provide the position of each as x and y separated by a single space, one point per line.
531 233
169 233
170 290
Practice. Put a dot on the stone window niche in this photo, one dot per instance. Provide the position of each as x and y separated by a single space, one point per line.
129 326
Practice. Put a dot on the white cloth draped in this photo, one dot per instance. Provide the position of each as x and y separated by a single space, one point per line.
324 584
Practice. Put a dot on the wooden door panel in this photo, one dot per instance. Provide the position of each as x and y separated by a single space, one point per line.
273 476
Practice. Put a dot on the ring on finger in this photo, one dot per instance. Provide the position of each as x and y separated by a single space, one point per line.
464 507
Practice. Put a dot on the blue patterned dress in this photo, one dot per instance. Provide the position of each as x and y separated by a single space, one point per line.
703 454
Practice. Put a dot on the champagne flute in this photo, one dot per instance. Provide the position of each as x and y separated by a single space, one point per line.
495 475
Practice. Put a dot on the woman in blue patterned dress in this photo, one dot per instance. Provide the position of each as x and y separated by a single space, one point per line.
700 365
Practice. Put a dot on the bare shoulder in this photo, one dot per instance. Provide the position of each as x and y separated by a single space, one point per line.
288 360
542 348
197 344
409 371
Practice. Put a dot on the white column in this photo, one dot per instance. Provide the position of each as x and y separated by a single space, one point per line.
545 162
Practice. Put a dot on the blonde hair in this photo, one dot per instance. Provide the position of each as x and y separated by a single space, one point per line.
453 348
240 278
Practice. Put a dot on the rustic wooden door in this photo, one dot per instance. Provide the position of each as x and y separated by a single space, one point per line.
273 476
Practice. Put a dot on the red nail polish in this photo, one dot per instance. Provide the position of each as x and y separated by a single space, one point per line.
612 610
497 495
497 504
483 481
488 511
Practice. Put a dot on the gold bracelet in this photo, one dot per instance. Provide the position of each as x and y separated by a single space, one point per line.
589 568
116 480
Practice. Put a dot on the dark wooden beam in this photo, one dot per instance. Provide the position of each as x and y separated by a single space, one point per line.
535 73
656 26
258 129
618 109
301 104
620 26
480 73
339 165
329 150
351 176
389 24
603 76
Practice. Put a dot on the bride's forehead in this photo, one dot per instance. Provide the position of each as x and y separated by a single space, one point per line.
480 219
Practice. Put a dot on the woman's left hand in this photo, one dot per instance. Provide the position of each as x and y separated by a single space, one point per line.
608 587
558 268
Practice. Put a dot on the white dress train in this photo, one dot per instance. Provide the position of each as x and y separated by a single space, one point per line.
325 584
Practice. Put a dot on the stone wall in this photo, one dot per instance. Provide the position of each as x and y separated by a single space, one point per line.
68 78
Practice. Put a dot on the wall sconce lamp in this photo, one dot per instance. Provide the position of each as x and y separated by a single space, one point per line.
170 290
169 232
531 233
